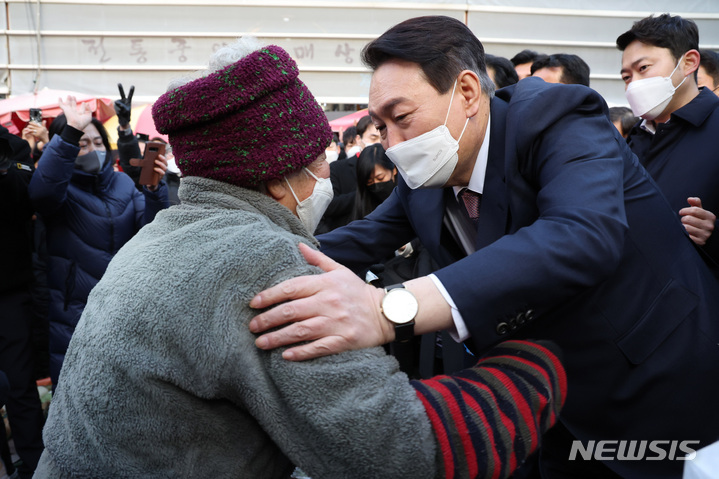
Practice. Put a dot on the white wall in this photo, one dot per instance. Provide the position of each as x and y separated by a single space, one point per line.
90 46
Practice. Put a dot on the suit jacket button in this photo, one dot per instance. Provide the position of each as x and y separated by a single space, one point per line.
521 318
529 314
502 329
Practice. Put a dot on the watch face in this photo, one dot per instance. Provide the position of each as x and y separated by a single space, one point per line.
400 306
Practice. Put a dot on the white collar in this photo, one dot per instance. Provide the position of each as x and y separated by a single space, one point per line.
648 126
476 181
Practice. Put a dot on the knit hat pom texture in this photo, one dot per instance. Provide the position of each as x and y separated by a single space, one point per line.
247 123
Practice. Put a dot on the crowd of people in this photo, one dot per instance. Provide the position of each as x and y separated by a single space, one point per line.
493 268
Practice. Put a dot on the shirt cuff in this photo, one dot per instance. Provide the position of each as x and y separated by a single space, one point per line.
460 332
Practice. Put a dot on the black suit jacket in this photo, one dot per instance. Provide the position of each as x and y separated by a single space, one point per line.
683 157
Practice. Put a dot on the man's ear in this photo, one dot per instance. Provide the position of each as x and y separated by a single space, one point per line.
277 189
471 90
691 61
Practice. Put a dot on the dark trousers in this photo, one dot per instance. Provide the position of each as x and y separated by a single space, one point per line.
16 361
554 463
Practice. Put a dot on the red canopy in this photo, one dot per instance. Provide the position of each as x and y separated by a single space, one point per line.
15 111
342 123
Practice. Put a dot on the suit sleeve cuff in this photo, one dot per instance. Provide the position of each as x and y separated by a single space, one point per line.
460 332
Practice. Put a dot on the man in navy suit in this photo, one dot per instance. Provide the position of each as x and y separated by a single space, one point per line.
677 140
573 242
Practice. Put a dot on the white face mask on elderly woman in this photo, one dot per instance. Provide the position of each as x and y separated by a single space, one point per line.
310 210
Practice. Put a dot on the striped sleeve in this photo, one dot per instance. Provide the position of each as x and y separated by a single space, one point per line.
489 418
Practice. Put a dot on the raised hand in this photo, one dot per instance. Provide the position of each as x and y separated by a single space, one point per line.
78 116
123 106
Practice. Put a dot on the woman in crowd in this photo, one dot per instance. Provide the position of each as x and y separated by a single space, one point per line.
90 211
375 180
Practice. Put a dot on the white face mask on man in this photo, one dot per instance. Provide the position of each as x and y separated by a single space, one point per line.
310 210
331 155
353 151
649 97
428 160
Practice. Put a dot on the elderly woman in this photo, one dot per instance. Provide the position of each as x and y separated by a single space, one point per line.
157 388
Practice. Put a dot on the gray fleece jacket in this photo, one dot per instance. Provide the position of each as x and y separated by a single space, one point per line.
162 377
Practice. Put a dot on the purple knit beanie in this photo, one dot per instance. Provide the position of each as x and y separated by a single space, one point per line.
247 123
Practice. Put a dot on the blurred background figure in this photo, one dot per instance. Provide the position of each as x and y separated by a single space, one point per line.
343 174
623 119
375 180
561 68
708 72
333 151
89 211
16 319
173 175
522 62
501 71
37 137
367 133
349 138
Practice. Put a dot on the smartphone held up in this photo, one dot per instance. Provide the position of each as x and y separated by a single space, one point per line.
148 175
36 115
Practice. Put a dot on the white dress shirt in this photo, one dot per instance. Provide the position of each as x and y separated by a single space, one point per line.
476 184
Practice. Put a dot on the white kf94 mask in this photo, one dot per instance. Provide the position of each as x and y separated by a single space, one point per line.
428 160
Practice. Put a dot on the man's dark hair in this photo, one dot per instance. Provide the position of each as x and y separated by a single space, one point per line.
362 125
525 56
710 62
348 136
624 116
675 33
441 46
504 72
574 69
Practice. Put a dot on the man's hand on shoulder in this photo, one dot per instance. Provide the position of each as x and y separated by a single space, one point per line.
335 311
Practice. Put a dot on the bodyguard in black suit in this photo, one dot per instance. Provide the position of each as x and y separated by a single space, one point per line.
677 140
574 242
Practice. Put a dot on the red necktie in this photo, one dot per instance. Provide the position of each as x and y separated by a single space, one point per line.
471 202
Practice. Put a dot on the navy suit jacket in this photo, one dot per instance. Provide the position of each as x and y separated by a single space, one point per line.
575 244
